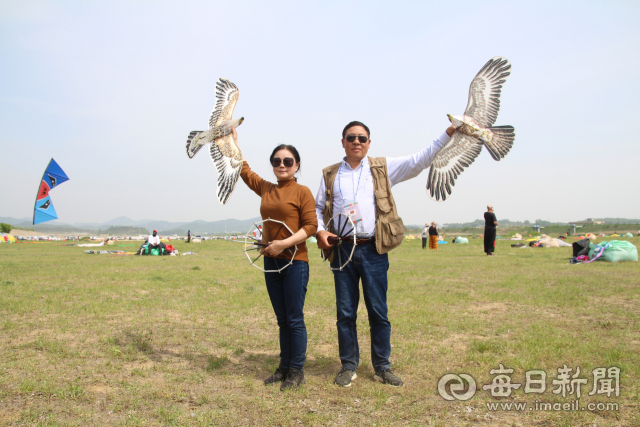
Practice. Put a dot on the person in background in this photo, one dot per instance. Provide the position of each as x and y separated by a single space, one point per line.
433 236
188 236
490 225
425 235
154 242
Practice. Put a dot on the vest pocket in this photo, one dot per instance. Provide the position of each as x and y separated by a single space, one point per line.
383 202
393 232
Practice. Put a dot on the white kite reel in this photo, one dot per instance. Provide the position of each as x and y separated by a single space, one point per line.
255 242
345 229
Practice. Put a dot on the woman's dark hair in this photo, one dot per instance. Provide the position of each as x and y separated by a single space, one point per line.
290 148
352 124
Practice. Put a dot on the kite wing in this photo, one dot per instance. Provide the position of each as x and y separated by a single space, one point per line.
451 161
485 89
52 177
227 95
227 157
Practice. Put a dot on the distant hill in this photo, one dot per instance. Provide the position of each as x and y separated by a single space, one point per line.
163 227
125 230
214 227
618 220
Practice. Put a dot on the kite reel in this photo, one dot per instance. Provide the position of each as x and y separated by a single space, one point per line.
257 239
345 230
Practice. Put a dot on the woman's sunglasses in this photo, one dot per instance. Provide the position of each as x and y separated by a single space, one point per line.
288 162
361 138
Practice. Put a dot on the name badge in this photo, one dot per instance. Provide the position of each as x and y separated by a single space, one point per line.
352 209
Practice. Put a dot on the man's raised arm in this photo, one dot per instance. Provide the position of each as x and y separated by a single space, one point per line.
407 167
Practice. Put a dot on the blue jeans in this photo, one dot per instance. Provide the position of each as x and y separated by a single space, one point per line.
287 290
370 266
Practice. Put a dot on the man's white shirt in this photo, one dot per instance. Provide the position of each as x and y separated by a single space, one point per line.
425 232
357 184
154 240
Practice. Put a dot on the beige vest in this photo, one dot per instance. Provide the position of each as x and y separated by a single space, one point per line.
389 227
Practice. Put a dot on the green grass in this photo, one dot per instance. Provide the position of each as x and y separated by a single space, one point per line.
187 340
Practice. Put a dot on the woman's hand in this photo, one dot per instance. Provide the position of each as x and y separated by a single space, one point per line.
235 138
235 135
276 247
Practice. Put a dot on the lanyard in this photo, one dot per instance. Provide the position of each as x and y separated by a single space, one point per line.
355 190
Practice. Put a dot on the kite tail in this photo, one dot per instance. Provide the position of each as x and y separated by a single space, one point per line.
195 141
501 142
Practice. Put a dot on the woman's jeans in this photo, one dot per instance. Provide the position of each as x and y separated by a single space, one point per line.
287 290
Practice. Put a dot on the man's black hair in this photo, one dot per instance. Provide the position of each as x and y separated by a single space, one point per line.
356 123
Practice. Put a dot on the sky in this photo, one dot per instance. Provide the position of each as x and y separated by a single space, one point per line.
111 89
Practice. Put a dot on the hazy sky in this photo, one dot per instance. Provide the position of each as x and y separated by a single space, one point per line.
111 89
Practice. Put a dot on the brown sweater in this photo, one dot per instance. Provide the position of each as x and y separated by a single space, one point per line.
288 202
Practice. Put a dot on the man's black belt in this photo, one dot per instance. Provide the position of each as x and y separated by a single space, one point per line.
365 241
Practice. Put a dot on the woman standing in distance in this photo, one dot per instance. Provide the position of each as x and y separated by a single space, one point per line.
293 204
433 236
490 224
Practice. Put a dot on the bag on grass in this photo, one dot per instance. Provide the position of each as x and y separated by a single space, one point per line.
581 247
614 251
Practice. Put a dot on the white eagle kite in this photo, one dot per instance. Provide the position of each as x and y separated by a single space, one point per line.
224 151
474 129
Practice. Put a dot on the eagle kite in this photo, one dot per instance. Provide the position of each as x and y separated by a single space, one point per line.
474 129
224 150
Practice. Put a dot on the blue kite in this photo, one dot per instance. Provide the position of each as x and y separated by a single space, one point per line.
52 177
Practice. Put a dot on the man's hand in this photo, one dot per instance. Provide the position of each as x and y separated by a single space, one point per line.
450 130
323 237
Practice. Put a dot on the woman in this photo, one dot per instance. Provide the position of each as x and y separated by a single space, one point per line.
490 224
433 236
293 204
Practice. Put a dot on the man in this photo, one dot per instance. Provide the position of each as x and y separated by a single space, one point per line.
154 242
188 236
425 235
363 184
490 224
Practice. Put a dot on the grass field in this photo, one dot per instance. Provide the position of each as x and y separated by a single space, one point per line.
187 340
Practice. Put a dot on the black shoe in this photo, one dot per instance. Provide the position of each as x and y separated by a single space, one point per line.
294 379
278 376
386 376
345 376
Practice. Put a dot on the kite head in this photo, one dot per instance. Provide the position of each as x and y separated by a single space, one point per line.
228 126
457 121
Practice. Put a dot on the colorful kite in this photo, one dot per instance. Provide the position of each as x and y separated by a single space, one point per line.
52 177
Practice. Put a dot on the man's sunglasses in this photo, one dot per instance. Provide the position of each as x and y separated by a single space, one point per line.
361 138
288 162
